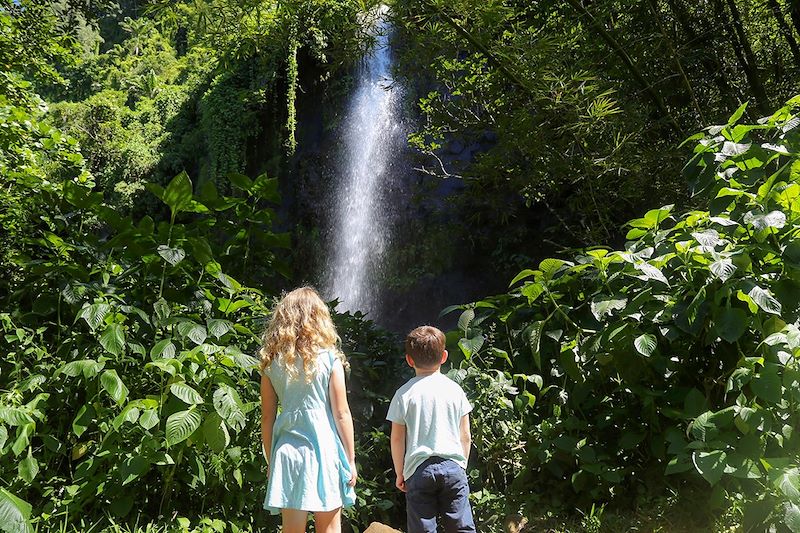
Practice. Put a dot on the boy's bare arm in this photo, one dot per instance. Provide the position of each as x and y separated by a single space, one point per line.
466 436
398 440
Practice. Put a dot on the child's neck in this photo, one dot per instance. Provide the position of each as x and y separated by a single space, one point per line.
422 372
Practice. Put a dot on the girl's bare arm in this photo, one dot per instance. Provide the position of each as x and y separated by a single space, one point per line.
269 409
342 417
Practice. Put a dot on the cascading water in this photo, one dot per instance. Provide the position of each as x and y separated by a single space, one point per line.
372 137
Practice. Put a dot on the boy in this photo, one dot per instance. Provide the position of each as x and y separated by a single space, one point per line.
431 439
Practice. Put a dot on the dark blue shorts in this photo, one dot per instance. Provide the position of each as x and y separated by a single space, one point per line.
438 487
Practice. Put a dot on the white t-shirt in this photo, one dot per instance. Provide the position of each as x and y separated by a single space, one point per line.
431 408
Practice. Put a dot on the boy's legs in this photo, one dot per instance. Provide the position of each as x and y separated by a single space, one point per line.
421 500
454 500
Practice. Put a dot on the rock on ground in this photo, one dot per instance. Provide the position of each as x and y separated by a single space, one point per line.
377 527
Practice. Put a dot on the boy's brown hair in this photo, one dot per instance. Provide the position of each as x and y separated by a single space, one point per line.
425 346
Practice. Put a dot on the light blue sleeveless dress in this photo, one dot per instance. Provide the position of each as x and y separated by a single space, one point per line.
308 469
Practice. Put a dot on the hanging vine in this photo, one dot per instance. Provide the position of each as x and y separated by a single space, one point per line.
291 92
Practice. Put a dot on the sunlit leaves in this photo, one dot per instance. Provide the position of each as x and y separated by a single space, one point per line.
181 425
14 513
765 300
114 386
178 193
113 339
186 393
645 344
229 406
603 306
215 433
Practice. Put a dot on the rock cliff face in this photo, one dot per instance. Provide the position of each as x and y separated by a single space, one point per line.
430 264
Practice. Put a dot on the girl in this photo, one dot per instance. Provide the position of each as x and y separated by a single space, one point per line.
309 446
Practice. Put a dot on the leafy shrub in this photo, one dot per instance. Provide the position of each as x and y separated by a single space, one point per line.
129 388
677 355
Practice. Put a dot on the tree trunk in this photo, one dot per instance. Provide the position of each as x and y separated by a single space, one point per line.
794 12
710 62
676 58
785 30
746 56
627 61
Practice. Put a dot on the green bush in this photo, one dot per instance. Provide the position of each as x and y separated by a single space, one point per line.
676 356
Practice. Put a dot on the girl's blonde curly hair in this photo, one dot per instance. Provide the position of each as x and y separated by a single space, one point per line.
300 325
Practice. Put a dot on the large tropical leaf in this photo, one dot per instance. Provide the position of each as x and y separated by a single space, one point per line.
113 339
114 386
229 406
14 513
186 393
181 425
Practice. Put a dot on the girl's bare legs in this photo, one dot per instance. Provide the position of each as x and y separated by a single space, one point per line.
328 521
294 521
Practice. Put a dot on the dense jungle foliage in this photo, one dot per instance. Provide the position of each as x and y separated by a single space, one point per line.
150 154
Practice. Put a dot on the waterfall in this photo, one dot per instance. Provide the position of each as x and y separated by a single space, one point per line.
372 136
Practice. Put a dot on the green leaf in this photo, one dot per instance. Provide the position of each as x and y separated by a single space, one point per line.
266 188
787 481
15 416
14 513
704 427
650 272
645 344
173 256
94 314
723 269
534 342
181 425
465 319
532 291
551 266
113 339
195 332
229 406
764 299
23 438
163 349
215 433
186 393
737 114
83 419
240 181
767 384
148 419
88 367
522 275
792 517
471 346
114 386
129 414
217 327
244 361
606 305
28 468
710 465
731 324
133 468
178 194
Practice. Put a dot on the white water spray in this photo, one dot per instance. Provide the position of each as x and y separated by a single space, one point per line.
372 137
